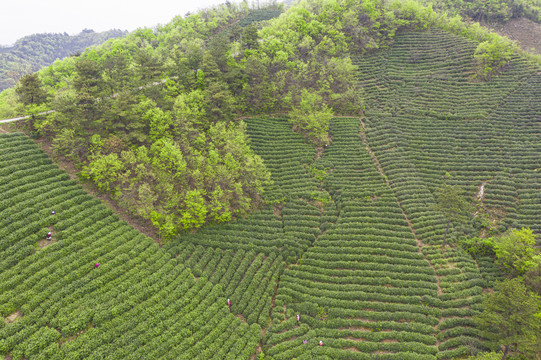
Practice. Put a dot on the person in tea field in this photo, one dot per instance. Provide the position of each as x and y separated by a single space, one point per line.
320 343
96 265
49 236
53 212
298 318
229 303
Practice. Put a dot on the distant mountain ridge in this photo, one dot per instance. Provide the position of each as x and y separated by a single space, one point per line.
33 52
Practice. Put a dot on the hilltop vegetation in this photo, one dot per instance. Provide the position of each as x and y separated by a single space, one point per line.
318 169
489 10
31 53
180 88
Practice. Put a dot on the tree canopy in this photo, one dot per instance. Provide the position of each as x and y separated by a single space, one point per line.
512 318
452 204
515 251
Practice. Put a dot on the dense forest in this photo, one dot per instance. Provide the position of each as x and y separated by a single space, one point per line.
31 53
333 180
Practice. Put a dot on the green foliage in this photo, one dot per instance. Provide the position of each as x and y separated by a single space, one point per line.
452 204
486 356
312 117
30 90
511 318
104 170
492 56
532 279
478 247
491 10
515 251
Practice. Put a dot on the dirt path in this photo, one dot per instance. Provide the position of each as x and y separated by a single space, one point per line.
420 244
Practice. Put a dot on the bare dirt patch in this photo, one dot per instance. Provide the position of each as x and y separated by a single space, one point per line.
356 328
355 339
526 32
277 211
351 349
241 317
13 316
481 191
66 339
387 341
381 352
43 243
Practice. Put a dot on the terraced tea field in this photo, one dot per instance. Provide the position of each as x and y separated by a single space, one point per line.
138 303
348 241
427 119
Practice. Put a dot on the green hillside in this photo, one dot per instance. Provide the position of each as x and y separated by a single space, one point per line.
294 162
31 53
140 301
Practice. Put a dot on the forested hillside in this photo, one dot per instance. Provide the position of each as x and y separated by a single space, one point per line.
488 10
31 53
337 180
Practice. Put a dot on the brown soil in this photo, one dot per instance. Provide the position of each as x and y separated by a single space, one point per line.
66 339
43 243
356 328
241 317
277 211
526 32
13 316
144 226
351 349
355 339
387 341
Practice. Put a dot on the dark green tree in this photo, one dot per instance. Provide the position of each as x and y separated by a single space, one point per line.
532 279
250 37
30 90
87 84
452 204
31 94
511 319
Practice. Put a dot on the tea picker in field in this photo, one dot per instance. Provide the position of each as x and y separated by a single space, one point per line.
97 265
298 318
229 303
49 235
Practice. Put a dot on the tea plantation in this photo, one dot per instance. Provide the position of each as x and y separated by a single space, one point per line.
348 241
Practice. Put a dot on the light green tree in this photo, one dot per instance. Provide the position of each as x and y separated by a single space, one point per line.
491 56
312 117
515 251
